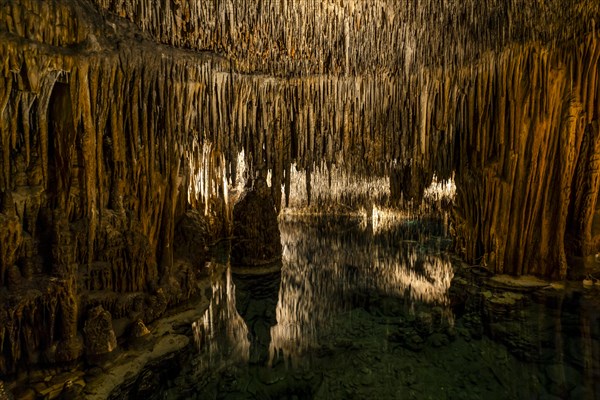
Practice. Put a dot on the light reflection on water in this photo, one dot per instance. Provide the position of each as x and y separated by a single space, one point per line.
326 272
221 334
359 312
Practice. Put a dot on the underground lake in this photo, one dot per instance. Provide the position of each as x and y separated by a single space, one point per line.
356 312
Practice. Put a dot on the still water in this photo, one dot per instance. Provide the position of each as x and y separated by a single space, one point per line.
357 313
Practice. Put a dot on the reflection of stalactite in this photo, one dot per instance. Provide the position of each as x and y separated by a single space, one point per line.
590 348
222 334
324 271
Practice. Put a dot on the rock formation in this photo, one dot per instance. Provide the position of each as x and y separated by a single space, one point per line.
99 332
510 87
138 330
121 119
94 176
256 234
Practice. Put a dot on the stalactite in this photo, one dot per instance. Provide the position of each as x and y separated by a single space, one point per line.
351 37
520 220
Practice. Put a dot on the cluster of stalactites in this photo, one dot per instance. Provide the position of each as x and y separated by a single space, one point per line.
107 142
524 126
331 189
127 128
353 37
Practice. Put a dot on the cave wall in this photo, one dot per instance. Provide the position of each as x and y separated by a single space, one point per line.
524 117
99 147
510 85
113 130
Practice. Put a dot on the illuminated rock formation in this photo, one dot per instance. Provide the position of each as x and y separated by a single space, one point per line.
505 93
118 119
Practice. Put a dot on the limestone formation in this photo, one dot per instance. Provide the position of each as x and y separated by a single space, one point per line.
190 240
69 350
255 228
121 119
353 37
99 334
138 329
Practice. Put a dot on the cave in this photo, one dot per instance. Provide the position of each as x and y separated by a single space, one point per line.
298 199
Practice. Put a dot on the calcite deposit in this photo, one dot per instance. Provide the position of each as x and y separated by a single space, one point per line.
121 125
257 239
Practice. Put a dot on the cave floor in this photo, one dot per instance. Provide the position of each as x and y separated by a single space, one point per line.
354 312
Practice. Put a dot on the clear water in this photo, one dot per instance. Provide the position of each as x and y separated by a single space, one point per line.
356 314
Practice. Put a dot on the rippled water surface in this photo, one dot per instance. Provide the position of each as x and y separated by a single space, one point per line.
355 314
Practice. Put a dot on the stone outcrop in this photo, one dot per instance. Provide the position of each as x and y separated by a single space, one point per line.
99 332
138 330
256 233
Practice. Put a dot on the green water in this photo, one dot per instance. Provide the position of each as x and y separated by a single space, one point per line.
355 314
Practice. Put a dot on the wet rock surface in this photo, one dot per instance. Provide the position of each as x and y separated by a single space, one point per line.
135 365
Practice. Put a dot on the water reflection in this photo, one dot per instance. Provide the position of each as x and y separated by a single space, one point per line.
328 271
358 312
256 298
221 334
261 316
